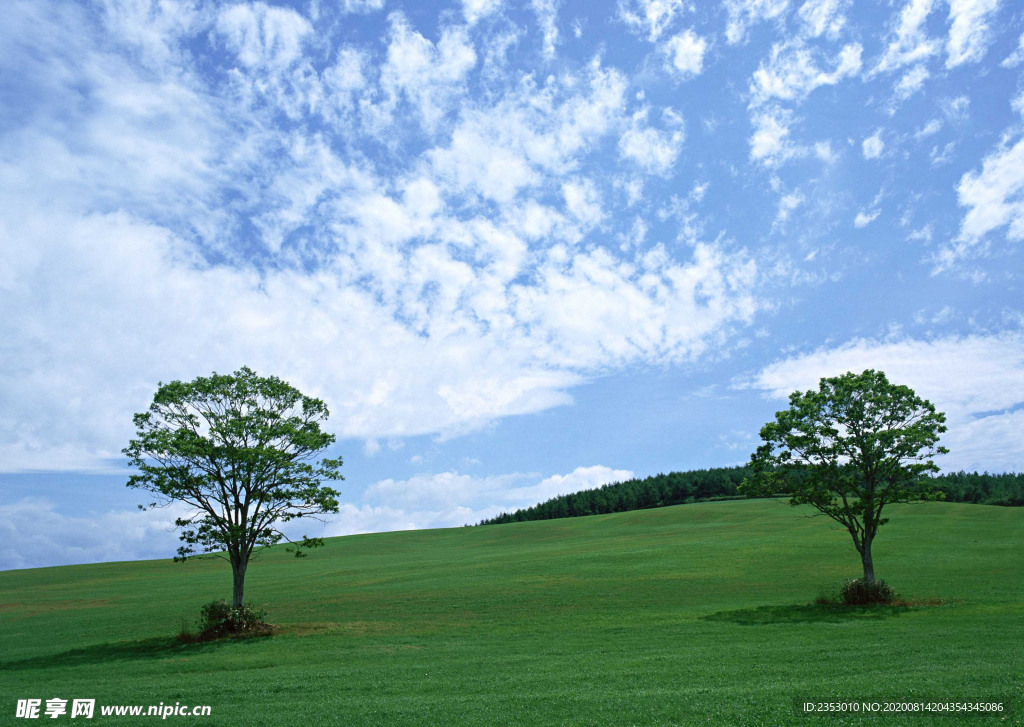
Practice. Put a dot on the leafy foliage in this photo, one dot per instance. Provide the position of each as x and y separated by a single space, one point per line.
241 451
850 448
861 592
220 618
1005 489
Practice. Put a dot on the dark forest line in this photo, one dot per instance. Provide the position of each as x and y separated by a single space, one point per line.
677 488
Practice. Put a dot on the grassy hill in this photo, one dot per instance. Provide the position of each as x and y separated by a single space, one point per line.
719 483
694 614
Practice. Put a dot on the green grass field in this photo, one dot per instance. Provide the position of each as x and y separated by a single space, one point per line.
695 614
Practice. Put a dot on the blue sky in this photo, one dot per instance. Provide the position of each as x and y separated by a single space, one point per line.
520 248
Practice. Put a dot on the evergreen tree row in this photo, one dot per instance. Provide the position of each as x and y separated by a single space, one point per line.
660 490
677 488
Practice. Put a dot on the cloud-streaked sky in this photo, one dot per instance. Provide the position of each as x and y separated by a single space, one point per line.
520 248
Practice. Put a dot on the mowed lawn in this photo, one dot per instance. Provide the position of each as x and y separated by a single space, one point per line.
695 614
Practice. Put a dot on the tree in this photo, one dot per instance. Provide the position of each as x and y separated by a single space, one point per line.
850 448
241 451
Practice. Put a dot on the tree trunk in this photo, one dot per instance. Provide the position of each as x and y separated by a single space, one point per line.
238 576
869 566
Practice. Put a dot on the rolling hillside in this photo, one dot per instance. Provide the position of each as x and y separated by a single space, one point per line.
694 614
677 488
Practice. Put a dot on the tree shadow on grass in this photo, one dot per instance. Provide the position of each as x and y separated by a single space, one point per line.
808 613
163 647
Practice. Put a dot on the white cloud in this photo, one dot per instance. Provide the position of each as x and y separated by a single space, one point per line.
581 478
583 201
823 150
977 381
429 75
793 72
547 18
790 74
1017 57
744 13
932 127
346 75
770 142
473 10
863 219
909 42
589 292
33 534
434 346
149 138
990 443
264 36
942 155
911 82
529 133
362 6
506 169
993 197
922 234
650 17
686 53
652 149
873 146
148 326
156 30
956 108
823 17
159 230
943 316
969 32
439 494
451 499
787 204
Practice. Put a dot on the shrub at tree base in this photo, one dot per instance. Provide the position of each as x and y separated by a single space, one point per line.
859 592
219 618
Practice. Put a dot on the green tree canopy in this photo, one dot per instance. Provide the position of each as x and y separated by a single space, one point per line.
242 451
850 448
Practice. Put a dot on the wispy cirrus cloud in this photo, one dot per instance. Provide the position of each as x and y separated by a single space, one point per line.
994 198
909 42
969 32
439 304
474 10
264 36
784 80
741 14
650 18
793 71
823 17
